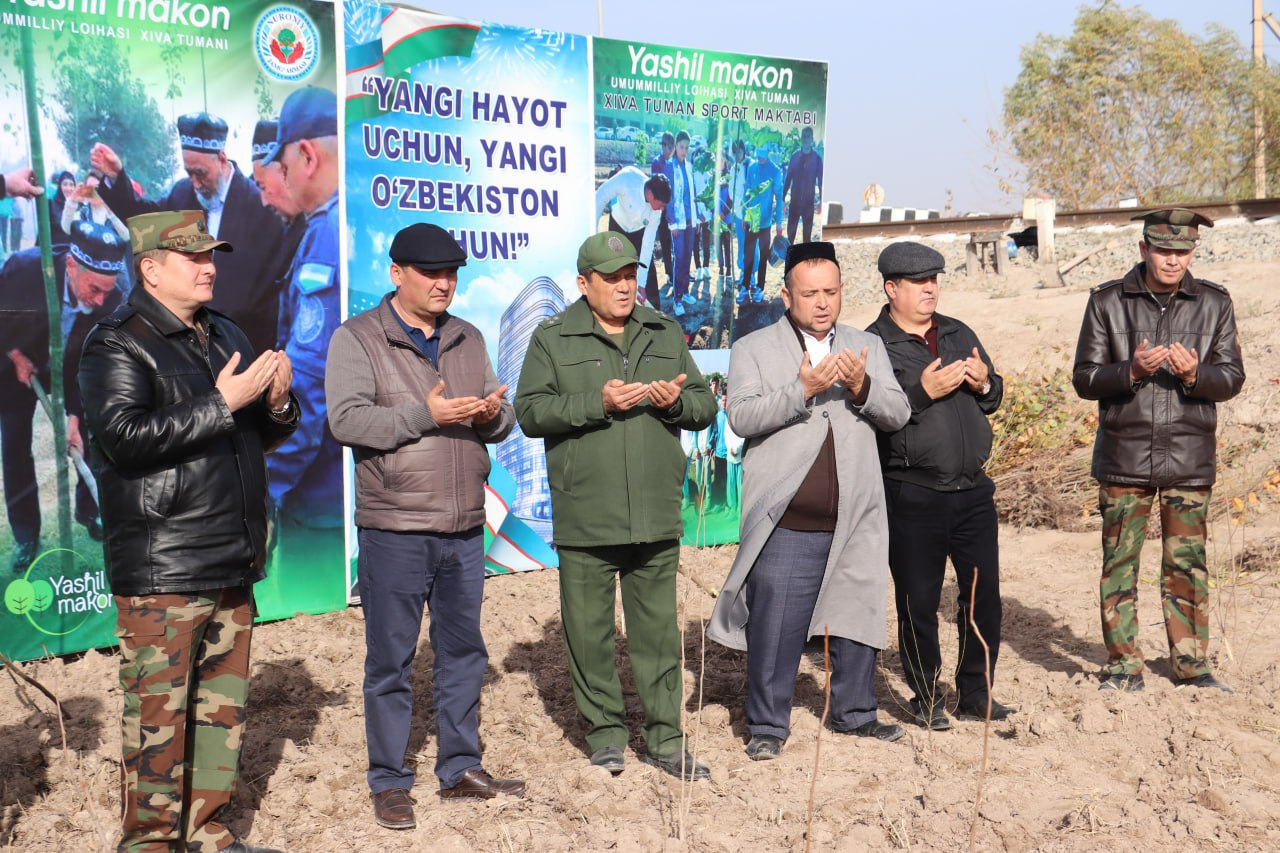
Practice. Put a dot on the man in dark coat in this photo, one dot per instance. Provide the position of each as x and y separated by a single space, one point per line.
180 413
85 272
248 280
1158 351
941 504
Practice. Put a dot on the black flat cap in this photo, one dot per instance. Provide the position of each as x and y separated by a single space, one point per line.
809 252
910 260
427 247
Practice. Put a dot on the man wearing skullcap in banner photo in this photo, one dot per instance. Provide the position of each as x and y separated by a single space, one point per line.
1158 351
269 179
85 270
247 289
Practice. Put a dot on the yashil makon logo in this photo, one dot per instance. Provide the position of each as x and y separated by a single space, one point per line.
287 43
58 593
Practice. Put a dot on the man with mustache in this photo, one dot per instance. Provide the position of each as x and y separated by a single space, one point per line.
940 502
1158 351
609 384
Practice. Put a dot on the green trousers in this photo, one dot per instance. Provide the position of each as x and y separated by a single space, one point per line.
587 589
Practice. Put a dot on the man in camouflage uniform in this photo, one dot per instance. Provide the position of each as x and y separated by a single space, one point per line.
180 414
1158 351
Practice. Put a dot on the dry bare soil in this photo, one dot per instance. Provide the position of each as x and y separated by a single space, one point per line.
1074 769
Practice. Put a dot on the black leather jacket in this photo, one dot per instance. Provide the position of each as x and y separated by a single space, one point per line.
182 480
1159 433
948 441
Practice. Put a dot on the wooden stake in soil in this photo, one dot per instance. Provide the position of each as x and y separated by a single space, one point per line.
986 725
822 724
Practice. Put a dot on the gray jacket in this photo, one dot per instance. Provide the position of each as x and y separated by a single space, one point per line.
411 475
783 436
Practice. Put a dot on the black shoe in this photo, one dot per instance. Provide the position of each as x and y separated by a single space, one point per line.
764 747
94 528
24 554
887 732
933 717
610 758
1123 683
978 713
680 765
1207 680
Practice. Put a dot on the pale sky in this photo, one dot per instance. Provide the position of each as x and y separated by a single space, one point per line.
913 86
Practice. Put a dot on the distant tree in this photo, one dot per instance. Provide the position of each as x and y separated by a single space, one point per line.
102 101
1131 106
643 160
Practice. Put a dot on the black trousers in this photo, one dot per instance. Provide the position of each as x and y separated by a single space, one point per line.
22 500
926 526
664 240
764 240
650 283
796 215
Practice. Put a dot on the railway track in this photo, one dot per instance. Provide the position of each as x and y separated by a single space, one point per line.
1248 208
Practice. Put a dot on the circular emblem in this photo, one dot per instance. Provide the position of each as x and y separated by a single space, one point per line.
615 244
58 593
310 320
287 43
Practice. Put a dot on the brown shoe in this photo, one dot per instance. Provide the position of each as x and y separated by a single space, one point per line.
476 784
393 809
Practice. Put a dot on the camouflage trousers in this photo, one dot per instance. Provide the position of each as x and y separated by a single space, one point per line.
1184 580
185 675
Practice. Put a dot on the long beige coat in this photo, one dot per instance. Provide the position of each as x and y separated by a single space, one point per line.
783 436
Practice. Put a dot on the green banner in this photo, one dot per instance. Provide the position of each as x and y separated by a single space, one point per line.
118 75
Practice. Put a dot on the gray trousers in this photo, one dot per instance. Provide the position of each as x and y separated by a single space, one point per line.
782 590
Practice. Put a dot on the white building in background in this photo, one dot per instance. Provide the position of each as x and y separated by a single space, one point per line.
522 456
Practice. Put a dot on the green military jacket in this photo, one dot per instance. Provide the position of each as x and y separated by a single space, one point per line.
615 478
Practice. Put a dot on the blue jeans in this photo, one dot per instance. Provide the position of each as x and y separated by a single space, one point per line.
399 573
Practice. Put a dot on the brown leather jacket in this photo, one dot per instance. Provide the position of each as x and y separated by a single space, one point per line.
1158 433
411 475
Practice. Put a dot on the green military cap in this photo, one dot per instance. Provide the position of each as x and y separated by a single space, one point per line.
606 252
176 230
1173 227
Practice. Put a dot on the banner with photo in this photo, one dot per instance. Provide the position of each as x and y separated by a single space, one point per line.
484 130
522 141
712 163
123 108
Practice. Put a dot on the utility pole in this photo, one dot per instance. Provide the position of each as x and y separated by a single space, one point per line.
1259 136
